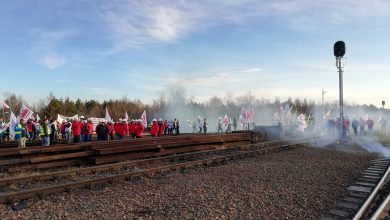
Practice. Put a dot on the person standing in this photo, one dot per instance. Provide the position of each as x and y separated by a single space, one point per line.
177 127
30 130
68 132
355 126
154 129
53 131
219 125
18 131
2 128
235 123
370 125
76 130
204 126
44 132
362 124
88 131
102 131
23 138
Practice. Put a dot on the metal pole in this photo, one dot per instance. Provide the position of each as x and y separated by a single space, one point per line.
322 118
340 69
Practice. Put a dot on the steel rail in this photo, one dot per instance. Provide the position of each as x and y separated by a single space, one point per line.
383 209
372 196
53 175
25 194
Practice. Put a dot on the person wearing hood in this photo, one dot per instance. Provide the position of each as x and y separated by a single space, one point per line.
154 128
102 131
76 130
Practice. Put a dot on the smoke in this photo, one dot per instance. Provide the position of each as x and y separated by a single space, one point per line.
371 144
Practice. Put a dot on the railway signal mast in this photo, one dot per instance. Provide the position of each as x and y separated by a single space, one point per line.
339 52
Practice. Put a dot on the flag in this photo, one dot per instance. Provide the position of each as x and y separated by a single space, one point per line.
5 105
38 118
25 113
107 117
144 120
13 121
225 121
126 116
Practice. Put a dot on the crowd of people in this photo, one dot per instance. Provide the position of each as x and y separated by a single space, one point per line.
82 130
358 126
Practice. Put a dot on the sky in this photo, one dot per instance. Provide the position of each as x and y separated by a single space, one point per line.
109 49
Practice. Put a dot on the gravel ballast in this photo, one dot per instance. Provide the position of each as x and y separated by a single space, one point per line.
302 183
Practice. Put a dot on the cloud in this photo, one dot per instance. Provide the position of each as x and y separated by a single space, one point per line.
253 70
52 61
136 23
46 45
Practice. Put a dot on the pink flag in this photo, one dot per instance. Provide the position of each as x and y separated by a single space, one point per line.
25 113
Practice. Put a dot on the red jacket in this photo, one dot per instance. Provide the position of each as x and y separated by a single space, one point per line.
162 129
63 127
30 127
89 129
139 130
111 128
154 129
76 128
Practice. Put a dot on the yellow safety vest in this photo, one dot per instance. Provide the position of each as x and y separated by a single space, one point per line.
19 126
42 131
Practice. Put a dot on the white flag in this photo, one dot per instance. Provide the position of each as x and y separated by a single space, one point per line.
13 121
107 117
144 120
126 116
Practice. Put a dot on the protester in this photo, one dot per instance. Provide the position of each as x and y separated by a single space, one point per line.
355 126
362 125
177 126
219 125
154 128
204 126
23 137
76 130
44 132
53 130
68 132
235 123
2 128
101 131
370 125
62 128
18 131
88 131
30 130
139 129
110 130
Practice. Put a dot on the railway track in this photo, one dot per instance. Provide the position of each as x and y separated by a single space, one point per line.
20 188
368 197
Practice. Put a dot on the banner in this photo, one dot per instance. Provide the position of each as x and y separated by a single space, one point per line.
144 120
61 118
25 113
96 121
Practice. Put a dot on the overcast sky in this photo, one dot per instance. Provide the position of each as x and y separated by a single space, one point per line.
109 49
